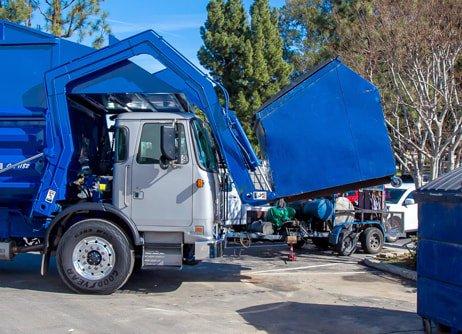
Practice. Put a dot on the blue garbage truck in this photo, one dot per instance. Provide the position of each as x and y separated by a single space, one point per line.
108 166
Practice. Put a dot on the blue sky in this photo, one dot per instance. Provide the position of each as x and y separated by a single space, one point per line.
178 21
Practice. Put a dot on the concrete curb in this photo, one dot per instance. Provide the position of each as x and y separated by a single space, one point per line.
390 268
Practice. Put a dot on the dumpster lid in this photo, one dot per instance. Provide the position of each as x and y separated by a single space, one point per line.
445 188
450 182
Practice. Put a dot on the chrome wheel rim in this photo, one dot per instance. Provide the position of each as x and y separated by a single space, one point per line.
93 258
375 241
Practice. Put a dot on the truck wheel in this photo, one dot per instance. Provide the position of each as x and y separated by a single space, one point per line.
321 243
372 240
95 256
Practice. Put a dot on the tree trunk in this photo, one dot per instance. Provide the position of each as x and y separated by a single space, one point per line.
56 19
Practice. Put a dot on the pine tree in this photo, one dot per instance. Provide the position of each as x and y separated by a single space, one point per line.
271 71
227 50
18 11
246 58
84 18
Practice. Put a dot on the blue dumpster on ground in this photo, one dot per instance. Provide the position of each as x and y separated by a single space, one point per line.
439 267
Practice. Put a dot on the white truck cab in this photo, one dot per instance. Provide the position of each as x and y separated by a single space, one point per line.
167 167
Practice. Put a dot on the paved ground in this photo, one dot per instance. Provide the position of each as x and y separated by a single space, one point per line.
247 291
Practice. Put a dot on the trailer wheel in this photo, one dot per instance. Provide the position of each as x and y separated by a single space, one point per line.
95 256
372 240
346 243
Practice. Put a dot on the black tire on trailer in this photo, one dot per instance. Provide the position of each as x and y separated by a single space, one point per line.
321 243
346 243
95 256
372 240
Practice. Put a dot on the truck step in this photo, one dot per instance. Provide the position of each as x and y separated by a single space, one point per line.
162 255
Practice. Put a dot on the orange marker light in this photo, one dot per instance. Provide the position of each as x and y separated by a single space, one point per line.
199 229
200 183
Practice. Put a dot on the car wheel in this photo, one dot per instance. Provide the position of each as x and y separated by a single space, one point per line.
95 256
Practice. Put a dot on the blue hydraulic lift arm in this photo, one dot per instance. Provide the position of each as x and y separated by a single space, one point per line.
234 145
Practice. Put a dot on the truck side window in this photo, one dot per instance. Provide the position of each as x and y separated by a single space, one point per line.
205 146
121 143
149 151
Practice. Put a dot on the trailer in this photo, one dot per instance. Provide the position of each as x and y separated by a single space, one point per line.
326 222
108 166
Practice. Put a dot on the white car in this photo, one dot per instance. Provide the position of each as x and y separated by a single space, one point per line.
401 199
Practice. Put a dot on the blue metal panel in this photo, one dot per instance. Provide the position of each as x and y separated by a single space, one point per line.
326 132
180 85
20 138
124 77
439 268
26 54
439 302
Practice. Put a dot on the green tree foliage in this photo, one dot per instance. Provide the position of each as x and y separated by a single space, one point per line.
227 49
309 29
63 18
18 11
271 71
246 57
66 18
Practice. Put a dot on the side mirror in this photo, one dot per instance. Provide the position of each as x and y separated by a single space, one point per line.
408 201
167 143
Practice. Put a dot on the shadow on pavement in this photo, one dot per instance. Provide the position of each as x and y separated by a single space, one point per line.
166 280
23 273
291 317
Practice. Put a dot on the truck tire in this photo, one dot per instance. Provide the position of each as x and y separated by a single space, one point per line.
372 240
95 256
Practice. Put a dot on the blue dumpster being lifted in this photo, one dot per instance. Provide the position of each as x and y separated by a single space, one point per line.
335 117
439 267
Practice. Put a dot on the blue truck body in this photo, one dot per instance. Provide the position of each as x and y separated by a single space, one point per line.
324 134
439 267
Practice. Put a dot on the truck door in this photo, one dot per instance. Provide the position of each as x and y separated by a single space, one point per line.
161 193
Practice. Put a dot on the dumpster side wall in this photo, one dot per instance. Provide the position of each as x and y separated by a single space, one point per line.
439 266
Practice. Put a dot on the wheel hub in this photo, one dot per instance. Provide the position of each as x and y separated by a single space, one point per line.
93 258
375 241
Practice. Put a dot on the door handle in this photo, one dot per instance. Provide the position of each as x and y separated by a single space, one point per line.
127 167
138 194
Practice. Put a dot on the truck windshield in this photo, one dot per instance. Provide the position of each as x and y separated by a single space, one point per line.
205 146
